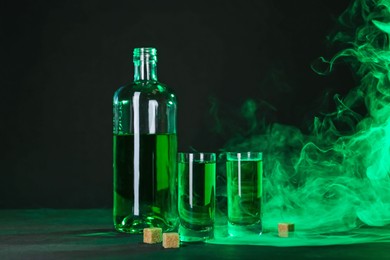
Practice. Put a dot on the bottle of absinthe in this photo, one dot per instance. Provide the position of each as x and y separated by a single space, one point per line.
145 150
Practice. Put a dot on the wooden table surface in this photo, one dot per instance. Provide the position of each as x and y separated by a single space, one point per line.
88 234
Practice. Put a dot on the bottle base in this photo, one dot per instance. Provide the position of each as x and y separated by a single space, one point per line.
133 225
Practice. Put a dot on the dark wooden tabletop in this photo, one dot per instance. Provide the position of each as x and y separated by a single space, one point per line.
88 234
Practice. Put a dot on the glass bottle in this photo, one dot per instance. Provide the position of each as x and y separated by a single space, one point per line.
145 150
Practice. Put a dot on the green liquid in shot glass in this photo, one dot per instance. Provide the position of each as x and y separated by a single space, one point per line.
196 199
244 190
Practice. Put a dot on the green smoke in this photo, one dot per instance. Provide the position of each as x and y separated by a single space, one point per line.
334 183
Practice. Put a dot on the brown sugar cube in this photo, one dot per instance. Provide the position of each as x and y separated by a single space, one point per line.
171 240
152 235
285 229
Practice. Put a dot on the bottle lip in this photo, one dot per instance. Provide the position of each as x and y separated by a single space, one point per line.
142 53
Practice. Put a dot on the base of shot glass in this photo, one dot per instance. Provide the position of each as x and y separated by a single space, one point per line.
189 235
244 230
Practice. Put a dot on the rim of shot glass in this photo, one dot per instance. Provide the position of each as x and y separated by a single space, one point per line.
252 155
196 156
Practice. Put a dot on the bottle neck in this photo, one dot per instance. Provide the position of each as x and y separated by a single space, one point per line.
145 69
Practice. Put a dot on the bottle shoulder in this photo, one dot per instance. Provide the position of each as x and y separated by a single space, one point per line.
147 89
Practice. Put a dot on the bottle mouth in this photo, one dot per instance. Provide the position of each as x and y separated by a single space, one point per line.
145 53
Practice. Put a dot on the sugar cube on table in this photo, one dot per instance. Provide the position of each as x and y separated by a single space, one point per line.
171 240
152 235
285 229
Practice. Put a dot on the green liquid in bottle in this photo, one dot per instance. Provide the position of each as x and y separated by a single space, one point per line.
196 199
145 182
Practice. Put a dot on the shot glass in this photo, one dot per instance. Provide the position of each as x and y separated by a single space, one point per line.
196 204
244 173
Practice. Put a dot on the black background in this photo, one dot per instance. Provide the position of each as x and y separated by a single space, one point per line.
61 62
